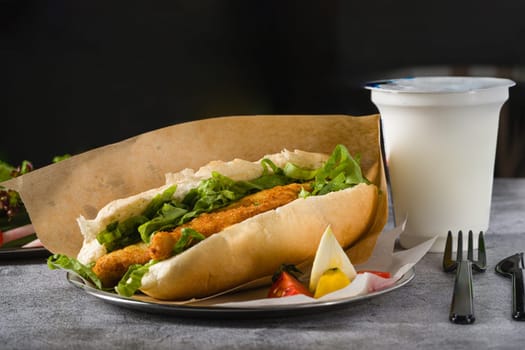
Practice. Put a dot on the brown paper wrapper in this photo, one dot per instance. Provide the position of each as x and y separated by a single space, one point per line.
56 195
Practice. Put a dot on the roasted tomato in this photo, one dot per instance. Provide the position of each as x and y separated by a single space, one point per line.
285 283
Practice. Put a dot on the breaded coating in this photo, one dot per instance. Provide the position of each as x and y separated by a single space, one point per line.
111 267
162 243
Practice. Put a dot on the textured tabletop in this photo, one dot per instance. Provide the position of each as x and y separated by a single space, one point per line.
40 309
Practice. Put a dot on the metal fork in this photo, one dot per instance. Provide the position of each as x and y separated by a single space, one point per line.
462 307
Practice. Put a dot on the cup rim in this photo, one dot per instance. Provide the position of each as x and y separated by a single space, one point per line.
438 84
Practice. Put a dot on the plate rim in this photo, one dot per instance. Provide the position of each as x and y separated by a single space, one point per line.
224 311
30 252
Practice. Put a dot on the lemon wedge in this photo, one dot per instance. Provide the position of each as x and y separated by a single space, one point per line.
330 281
331 262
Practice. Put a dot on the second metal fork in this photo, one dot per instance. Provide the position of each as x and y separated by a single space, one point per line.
462 307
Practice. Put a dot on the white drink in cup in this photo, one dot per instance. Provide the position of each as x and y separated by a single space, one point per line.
440 136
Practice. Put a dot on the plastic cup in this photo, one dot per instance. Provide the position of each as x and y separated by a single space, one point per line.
440 136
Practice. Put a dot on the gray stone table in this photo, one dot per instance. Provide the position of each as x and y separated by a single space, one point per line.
40 309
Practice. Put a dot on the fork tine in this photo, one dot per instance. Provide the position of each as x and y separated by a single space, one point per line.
448 263
470 248
481 263
459 255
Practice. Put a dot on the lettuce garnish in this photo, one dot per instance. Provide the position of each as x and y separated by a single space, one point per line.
188 238
166 217
132 280
341 171
136 228
60 261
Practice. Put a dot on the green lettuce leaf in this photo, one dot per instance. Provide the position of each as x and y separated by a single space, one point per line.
167 217
60 261
158 201
121 234
341 171
132 280
188 238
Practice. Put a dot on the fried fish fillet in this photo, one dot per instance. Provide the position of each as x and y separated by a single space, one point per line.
162 243
111 267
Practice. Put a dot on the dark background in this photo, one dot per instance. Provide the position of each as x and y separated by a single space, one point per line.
76 75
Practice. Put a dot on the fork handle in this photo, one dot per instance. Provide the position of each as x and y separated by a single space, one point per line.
518 308
462 307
